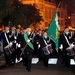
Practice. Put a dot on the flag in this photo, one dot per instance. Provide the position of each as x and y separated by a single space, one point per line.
53 30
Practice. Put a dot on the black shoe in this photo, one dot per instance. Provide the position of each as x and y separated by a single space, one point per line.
62 62
26 68
23 64
29 70
68 67
46 66
13 63
7 65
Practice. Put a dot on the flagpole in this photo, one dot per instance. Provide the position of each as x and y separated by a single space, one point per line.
23 50
56 10
58 5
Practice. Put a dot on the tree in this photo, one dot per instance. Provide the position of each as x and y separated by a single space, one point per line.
2 4
25 15
5 10
19 13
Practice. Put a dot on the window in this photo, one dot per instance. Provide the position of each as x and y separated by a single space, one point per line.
58 13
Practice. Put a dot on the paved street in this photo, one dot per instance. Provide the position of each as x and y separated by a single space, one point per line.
55 68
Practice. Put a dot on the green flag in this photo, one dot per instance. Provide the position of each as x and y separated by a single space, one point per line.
53 30
29 43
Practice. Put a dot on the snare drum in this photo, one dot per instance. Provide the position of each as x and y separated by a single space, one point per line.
71 52
48 49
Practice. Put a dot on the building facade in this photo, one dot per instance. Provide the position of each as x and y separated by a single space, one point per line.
62 14
73 19
47 10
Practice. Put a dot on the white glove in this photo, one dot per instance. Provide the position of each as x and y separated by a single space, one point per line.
15 41
37 42
15 37
19 45
28 40
10 36
61 47
38 46
71 46
48 41
10 44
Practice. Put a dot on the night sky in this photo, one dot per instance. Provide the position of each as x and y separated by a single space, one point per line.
70 5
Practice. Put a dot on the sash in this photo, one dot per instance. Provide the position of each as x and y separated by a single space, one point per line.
6 38
29 43
67 40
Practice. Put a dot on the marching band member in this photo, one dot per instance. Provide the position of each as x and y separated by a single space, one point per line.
13 55
65 42
35 43
7 45
38 41
28 50
45 43
18 42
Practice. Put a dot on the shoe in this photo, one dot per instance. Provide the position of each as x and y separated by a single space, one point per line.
26 68
13 63
62 62
68 67
23 64
29 70
46 66
7 65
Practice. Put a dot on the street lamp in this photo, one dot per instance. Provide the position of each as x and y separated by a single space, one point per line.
69 20
69 17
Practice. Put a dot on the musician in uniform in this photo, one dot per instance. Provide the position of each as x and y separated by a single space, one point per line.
64 42
13 55
7 43
44 43
38 42
18 42
28 49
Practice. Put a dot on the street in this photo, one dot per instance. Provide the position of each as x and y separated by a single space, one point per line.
55 68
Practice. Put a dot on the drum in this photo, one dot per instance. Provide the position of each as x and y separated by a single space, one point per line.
47 50
9 50
71 52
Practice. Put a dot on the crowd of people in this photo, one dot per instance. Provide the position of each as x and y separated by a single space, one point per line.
24 43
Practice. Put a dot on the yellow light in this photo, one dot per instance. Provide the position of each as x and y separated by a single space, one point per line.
73 29
0 29
19 26
69 17
70 27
